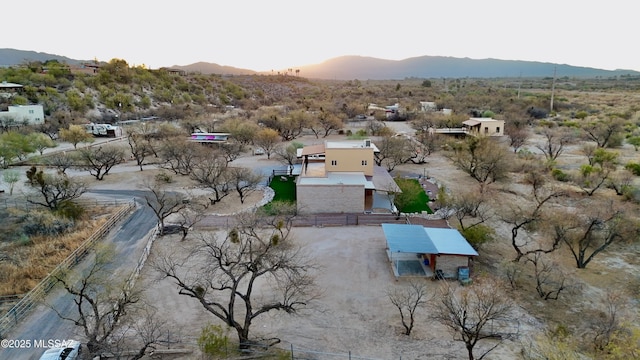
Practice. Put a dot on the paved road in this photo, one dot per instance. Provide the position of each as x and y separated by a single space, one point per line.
128 240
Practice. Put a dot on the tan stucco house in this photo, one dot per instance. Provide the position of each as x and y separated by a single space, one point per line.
484 126
341 177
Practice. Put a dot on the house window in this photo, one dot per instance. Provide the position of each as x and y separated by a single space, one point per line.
486 129
498 130
30 111
334 162
364 162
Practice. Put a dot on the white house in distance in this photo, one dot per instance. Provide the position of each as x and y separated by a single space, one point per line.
19 114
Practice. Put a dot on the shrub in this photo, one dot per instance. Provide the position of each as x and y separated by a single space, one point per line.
560 175
164 177
44 223
634 168
70 210
478 235
213 341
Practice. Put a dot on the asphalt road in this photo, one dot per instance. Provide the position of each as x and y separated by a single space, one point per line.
43 324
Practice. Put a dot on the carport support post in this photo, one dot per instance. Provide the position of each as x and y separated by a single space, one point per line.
291 351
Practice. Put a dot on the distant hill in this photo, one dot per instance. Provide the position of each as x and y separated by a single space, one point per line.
11 57
211 68
363 68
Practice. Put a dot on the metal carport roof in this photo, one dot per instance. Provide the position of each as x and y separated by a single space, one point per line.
408 239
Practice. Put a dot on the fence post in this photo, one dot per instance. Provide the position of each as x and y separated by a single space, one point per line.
291 351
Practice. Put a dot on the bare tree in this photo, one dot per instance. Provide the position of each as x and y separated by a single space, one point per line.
606 322
104 308
476 313
529 216
55 189
100 304
481 158
518 135
592 230
211 172
288 155
243 180
329 122
188 217
180 155
163 203
140 146
62 161
555 142
100 160
394 151
408 299
223 274
550 280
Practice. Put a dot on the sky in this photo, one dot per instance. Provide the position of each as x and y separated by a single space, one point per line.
279 34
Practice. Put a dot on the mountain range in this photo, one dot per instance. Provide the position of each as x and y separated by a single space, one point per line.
368 68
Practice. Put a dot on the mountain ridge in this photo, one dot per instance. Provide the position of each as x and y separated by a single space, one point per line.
350 67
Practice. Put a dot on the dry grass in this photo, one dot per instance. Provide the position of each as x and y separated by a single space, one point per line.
31 262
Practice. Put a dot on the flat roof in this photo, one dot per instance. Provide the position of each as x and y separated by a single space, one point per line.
404 238
450 242
311 150
418 239
338 178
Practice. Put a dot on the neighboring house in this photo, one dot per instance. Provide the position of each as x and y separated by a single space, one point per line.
484 126
344 180
428 106
203 137
8 89
19 114
415 250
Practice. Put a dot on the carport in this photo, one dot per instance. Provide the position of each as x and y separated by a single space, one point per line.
415 250
405 246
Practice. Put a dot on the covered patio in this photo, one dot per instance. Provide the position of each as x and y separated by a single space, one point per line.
415 250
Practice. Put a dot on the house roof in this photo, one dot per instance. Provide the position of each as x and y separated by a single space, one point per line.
383 181
408 239
312 150
450 242
425 240
338 178
471 122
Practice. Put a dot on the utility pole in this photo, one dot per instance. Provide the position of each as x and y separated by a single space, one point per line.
553 89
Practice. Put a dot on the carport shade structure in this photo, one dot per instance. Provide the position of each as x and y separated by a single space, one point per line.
417 239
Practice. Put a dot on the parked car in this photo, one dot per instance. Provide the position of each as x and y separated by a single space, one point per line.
258 151
68 350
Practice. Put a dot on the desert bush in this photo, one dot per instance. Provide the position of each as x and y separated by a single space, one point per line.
213 341
634 168
164 177
560 175
478 235
45 223
70 210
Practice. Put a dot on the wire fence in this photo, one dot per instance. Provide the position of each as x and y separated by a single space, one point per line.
20 310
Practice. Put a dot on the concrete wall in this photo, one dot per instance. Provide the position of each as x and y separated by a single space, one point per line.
449 264
330 198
